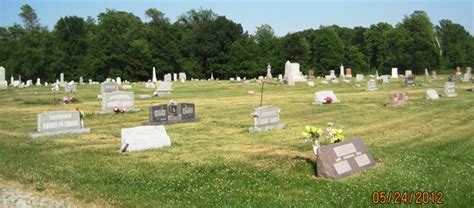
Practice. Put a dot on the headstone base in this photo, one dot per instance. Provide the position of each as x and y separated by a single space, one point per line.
111 112
452 95
163 93
36 135
170 122
371 90
266 128
319 103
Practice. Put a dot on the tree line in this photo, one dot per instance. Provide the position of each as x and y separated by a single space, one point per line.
201 42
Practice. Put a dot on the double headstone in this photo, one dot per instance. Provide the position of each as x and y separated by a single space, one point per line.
322 97
59 122
266 118
450 89
343 159
398 99
172 113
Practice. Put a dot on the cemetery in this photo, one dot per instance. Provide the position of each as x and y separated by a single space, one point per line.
228 126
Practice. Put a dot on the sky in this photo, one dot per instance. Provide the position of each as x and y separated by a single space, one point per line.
285 16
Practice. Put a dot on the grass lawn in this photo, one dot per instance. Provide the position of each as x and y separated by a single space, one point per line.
424 146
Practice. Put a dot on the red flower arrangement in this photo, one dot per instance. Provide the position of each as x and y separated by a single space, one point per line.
327 100
119 110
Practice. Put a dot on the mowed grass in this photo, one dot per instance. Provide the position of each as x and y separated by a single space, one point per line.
424 146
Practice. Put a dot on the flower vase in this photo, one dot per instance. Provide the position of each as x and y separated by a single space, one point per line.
316 145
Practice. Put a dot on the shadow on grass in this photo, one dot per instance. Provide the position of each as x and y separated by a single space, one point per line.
309 162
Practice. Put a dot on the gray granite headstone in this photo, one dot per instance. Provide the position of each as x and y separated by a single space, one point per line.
59 122
450 89
268 118
343 159
144 138
70 88
119 99
164 89
409 80
371 85
107 87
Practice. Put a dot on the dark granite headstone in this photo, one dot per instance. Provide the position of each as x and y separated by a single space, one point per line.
410 80
172 113
343 159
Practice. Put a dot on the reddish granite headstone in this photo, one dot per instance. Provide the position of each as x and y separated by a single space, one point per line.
343 159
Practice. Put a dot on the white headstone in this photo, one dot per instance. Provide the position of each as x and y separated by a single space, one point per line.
81 80
408 73
182 76
359 77
269 72
311 84
61 79
154 76
371 85
164 89
385 79
119 80
341 73
238 79
394 73
280 76
175 77
332 74
450 89
144 138
321 97
432 94
168 78
3 82
292 73
38 82
11 80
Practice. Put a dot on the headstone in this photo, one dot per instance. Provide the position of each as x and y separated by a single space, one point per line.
144 97
16 83
107 87
126 87
311 84
153 79
385 79
81 80
90 81
182 76
467 75
238 79
458 71
394 73
434 75
371 85
164 89
427 74
321 97
408 73
332 74
11 80
118 80
118 99
398 99
260 78
29 82
59 122
341 72
410 80
175 77
171 113
292 74
150 85
359 77
142 138
61 80
280 76
231 79
342 159
450 89
3 82
431 94
266 118
212 76
168 78
269 72
70 88
349 72
311 73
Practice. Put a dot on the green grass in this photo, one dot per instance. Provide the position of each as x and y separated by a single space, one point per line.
424 146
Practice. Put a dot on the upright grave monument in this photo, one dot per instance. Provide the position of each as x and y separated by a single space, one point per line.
266 118
3 82
171 113
431 94
117 100
450 89
59 122
398 99
164 89
371 85
292 74
394 73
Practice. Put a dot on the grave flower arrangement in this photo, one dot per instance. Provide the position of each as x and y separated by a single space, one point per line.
119 110
327 100
315 135
67 99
